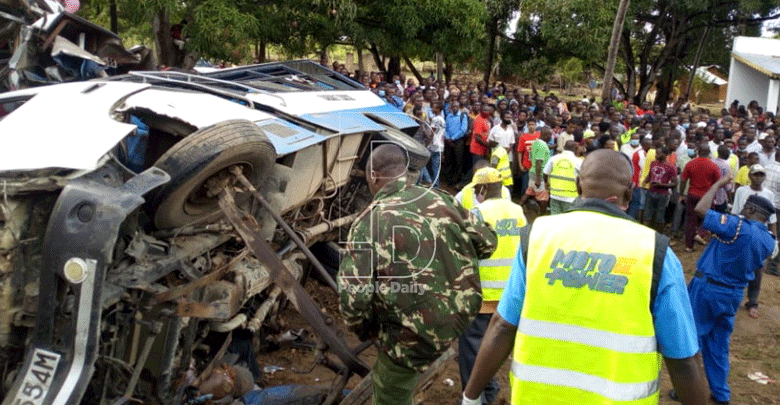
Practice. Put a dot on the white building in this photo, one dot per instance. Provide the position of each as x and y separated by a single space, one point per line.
755 72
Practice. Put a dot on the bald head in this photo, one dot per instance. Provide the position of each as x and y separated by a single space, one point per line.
704 149
606 174
388 160
387 163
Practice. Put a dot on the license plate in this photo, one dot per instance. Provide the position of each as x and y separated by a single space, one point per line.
38 379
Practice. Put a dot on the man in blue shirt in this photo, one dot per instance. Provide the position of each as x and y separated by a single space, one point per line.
605 186
738 248
456 123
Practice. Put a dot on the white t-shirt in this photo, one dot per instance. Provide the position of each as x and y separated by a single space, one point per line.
504 137
742 194
566 154
629 150
764 159
437 142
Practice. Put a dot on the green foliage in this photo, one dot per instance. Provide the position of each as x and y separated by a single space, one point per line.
662 35
220 30
419 28
572 70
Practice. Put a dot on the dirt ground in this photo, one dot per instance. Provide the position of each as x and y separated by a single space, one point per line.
755 346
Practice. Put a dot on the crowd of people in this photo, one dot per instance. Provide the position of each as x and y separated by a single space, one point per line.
602 171
467 122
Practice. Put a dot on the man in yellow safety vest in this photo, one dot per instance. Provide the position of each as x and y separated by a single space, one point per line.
468 197
600 299
560 174
502 140
508 221
499 159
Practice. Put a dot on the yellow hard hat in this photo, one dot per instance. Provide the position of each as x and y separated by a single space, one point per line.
487 175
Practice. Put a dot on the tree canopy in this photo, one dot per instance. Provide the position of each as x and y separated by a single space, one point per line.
660 39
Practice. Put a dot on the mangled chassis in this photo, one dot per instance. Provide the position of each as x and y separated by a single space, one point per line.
81 235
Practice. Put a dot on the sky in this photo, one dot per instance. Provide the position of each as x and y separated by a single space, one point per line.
765 32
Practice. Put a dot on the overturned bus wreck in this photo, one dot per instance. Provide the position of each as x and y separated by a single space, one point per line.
41 43
150 236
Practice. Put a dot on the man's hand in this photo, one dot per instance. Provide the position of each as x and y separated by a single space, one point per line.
724 180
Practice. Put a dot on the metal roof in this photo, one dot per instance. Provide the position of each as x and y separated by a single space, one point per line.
709 77
766 64
297 75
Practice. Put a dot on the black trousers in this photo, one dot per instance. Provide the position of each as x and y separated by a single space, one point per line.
468 346
454 169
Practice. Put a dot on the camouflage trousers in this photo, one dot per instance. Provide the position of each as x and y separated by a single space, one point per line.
393 384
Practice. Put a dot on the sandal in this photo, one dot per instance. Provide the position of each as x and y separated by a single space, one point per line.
689 250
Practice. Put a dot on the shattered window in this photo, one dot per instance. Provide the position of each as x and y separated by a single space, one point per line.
8 106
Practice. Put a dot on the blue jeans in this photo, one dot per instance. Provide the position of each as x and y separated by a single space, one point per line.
425 177
434 168
522 184
655 207
637 202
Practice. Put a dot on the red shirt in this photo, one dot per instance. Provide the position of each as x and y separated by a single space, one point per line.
661 172
703 174
482 130
524 147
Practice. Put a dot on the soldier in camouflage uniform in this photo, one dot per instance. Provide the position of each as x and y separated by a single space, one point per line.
409 274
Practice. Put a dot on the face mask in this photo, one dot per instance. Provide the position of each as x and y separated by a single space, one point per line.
686 125
397 82
381 93
691 152
634 142
742 150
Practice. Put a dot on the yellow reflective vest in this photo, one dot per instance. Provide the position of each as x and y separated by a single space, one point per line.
499 159
511 226
470 197
586 332
733 163
562 178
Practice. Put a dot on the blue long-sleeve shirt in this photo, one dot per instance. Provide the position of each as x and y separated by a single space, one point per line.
456 125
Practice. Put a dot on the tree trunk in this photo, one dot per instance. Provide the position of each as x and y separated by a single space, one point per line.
614 45
664 87
361 65
448 70
113 16
377 58
492 30
696 60
260 51
162 38
413 69
439 66
393 67
324 56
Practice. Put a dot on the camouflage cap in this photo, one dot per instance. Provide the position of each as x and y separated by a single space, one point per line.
487 175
